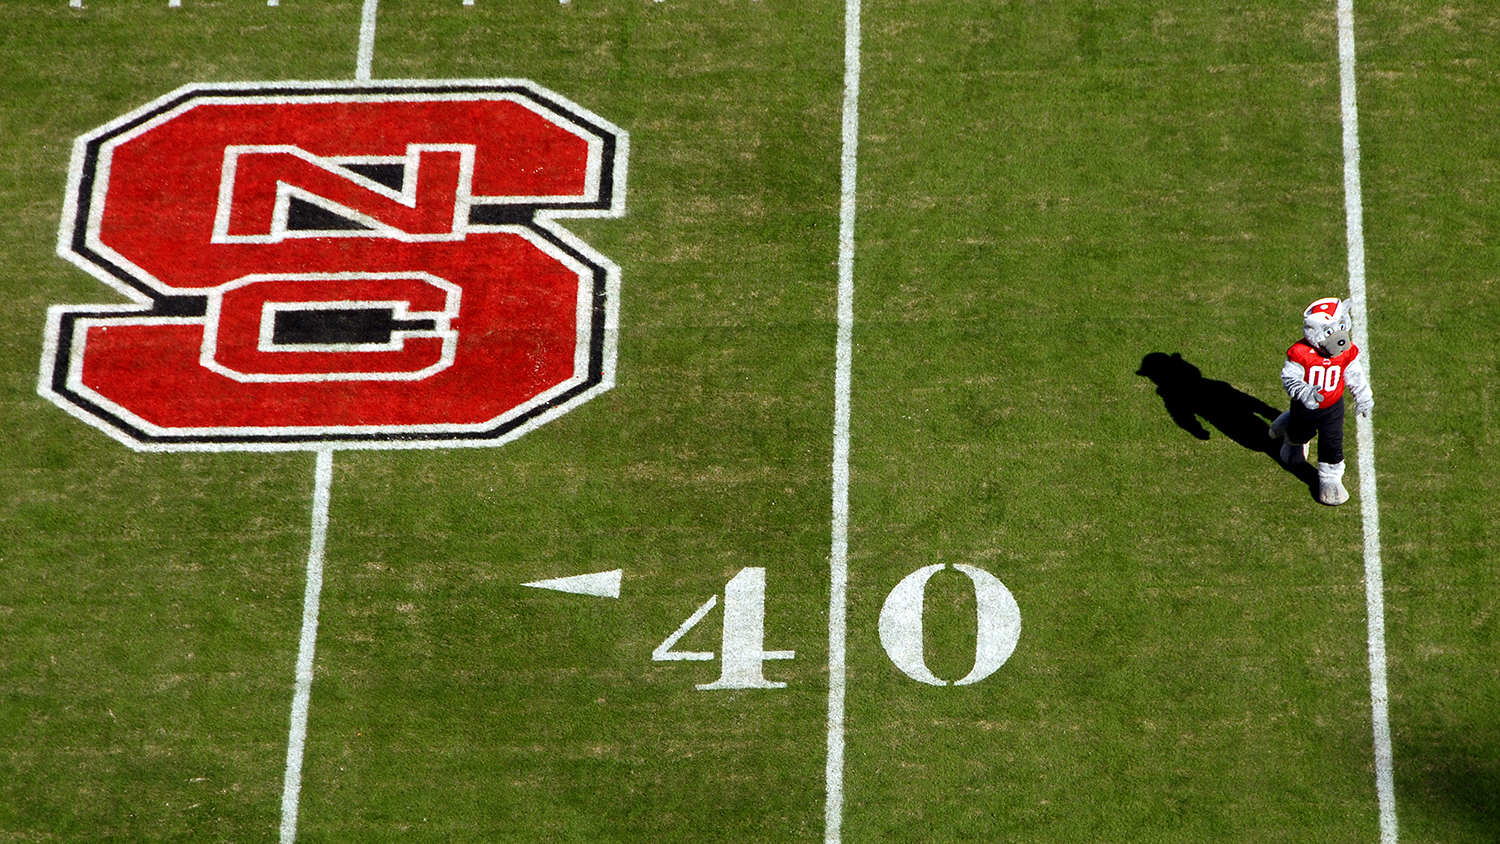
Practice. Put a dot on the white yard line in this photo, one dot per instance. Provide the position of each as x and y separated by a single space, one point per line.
366 55
306 645
843 358
291 789
1369 504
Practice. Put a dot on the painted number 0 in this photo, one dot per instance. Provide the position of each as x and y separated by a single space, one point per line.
901 625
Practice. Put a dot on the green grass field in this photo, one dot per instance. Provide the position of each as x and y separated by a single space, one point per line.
1049 194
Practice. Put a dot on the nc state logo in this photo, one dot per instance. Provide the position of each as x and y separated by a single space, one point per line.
326 264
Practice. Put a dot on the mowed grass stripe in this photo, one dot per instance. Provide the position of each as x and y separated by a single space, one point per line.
455 702
1114 183
1430 161
150 617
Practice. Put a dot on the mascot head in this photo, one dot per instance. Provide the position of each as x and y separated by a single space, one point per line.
1326 326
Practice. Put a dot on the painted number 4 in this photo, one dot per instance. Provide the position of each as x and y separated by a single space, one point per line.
742 655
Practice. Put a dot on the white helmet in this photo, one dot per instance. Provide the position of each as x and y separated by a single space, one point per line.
1326 326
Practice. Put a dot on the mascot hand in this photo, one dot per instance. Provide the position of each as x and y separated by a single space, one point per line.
1364 406
1310 397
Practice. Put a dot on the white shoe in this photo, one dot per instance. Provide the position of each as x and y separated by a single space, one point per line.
1331 483
1293 454
1278 427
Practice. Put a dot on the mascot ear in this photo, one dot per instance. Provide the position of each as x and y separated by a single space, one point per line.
1341 315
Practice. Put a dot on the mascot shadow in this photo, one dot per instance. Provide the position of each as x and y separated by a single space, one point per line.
1191 400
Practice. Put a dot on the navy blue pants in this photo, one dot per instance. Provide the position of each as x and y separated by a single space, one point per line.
1327 423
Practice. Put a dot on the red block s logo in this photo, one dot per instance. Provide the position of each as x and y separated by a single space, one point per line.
326 264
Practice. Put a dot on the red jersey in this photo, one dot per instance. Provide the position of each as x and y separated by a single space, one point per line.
1325 374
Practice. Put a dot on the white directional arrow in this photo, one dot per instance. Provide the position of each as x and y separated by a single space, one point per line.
604 584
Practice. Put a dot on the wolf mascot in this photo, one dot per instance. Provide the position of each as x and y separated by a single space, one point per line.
1317 369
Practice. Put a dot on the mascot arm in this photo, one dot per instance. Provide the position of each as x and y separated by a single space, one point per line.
1358 380
1291 380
